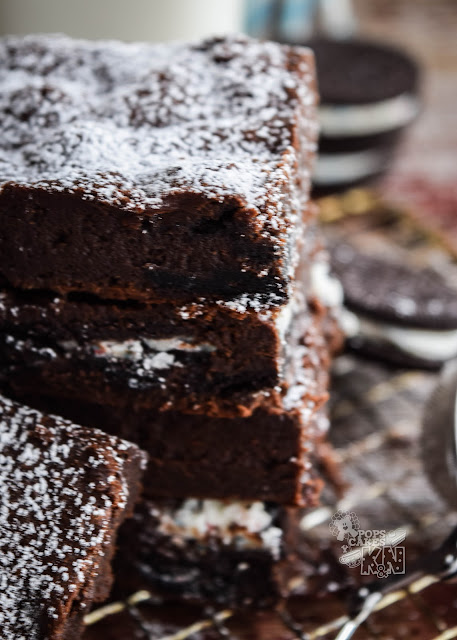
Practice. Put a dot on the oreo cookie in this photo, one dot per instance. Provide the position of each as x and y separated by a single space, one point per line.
401 314
369 95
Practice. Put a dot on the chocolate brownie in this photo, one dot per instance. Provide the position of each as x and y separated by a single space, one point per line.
154 172
268 455
369 94
211 357
218 360
233 554
64 491
405 314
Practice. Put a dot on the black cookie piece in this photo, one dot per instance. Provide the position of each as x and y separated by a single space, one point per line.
394 293
362 72
390 354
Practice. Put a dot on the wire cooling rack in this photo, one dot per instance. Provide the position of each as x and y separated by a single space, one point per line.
376 415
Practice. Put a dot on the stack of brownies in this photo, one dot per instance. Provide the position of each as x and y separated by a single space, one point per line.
162 277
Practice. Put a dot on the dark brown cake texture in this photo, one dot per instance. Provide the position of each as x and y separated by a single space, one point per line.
234 554
64 491
151 172
217 358
267 455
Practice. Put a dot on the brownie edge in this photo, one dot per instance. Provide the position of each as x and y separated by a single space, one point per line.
64 492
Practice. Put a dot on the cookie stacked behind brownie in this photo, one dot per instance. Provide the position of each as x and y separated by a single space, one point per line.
161 272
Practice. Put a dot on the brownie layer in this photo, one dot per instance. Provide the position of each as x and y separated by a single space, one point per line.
148 172
64 491
214 359
217 358
231 554
269 455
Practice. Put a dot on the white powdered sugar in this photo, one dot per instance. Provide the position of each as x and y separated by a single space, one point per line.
61 489
136 124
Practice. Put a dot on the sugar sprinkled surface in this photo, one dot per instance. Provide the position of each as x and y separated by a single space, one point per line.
61 490
135 124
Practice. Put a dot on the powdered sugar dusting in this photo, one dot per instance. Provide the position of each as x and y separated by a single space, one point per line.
61 487
136 124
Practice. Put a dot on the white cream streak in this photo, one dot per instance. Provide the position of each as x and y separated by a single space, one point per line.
195 519
427 344
368 119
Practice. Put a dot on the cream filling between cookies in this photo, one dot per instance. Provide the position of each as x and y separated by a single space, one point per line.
336 168
369 119
246 524
427 344
133 348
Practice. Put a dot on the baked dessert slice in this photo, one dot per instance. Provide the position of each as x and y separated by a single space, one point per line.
234 554
210 358
64 491
151 172
217 358
268 454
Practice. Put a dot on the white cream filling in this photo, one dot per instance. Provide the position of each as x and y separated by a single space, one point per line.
133 349
324 286
196 519
368 119
336 168
329 291
422 343
147 352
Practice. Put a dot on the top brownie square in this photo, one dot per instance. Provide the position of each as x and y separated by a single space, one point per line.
150 172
